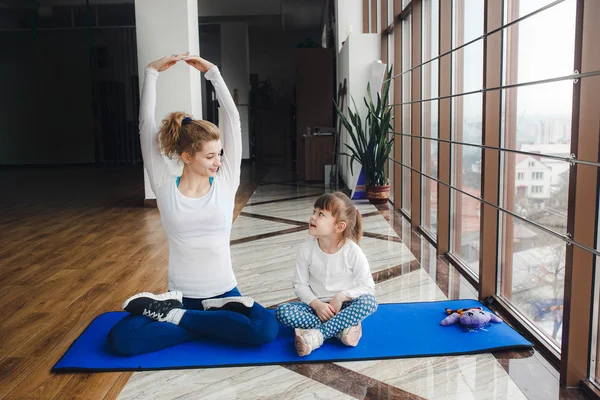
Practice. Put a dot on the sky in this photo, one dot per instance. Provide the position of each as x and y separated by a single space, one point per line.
545 50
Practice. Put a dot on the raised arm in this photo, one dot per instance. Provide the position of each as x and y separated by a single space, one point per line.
231 131
154 162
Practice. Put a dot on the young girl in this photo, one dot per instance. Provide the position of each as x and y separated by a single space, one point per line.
196 211
333 279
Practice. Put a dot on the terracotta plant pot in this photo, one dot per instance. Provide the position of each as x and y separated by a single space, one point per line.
378 194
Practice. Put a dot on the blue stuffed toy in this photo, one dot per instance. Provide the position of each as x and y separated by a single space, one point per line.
470 319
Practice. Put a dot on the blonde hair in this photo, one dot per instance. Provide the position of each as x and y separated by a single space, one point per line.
179 134
343 210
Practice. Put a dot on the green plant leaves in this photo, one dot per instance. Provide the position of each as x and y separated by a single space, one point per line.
372 142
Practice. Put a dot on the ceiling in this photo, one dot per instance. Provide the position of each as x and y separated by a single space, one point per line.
288 14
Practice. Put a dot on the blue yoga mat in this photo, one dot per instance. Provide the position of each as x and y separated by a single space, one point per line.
394 331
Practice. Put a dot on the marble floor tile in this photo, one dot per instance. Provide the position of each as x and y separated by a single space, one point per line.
378 224
268 382
475 377
265 268
248 226
298 209
383 254
411 287
278 192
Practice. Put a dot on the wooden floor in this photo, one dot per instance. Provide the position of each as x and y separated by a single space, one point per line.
76 242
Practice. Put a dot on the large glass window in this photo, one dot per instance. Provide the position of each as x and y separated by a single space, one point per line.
406 112
536 119
466 127
429 113
390 50
536 114
595 347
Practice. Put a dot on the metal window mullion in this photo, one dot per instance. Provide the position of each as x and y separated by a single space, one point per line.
575 77
570 160
564 238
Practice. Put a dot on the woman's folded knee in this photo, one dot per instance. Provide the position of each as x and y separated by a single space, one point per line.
265 331
119 344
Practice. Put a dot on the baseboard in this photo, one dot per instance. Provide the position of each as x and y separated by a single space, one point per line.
589 389
150 203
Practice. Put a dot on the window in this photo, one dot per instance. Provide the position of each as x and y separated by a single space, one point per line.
536 176
532 58
466 126
406 112
595 346
429 113
537 189
390 46
595 356
536 119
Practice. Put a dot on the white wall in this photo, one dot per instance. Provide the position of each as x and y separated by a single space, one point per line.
349 17
164 28
354 63
343 72
235 69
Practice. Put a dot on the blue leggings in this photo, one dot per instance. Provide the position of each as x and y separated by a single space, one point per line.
301 315
137 334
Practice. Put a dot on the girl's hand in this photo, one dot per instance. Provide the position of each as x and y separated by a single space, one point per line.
336 304
324 311
198 62
337 301
163 64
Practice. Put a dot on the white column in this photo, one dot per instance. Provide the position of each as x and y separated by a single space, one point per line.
349 14
164 28
235 67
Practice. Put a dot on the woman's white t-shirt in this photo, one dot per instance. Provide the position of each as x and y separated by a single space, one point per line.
198 229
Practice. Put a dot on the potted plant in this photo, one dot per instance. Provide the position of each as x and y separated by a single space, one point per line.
372 146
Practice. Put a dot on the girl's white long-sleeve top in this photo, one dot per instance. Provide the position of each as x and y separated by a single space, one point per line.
198 229
321 276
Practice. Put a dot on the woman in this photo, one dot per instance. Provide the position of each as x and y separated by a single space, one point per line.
196 211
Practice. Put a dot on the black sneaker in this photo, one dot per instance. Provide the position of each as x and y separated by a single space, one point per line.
236 303
155 306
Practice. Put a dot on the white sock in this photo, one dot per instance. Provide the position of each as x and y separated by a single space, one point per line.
174 316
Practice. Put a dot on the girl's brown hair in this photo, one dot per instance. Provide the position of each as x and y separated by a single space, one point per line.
343 210
179 134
